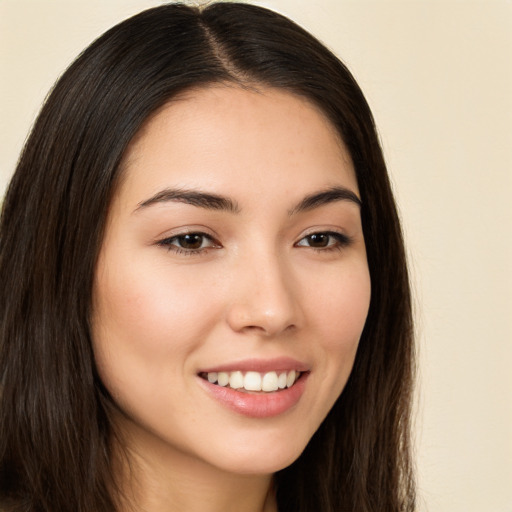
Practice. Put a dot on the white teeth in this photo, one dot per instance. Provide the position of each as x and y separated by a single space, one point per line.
254 381
222 379
290 379
236 380
269 382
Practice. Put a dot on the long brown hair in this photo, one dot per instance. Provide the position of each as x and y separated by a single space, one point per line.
54 411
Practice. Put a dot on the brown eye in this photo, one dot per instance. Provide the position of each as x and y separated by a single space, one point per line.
191 241
324 240
318 240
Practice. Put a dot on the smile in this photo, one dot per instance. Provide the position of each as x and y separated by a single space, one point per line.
252 381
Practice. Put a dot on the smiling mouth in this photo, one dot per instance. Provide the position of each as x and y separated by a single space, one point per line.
248 382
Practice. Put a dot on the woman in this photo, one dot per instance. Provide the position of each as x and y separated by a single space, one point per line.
205 302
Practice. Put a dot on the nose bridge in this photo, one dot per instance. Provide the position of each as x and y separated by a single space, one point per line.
264 298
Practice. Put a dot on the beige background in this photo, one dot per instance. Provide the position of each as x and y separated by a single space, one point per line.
438 75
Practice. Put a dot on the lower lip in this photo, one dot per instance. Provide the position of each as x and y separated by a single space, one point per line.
258 405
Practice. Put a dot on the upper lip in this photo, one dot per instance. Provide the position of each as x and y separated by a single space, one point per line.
259 365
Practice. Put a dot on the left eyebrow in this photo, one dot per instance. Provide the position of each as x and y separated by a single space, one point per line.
324 197
192 197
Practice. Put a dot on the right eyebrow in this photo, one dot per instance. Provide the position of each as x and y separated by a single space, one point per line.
194 197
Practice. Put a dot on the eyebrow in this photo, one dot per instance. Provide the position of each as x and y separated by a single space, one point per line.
194 198
210 201
330 195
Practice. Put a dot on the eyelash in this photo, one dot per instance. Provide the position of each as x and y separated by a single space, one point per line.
340 242
169 244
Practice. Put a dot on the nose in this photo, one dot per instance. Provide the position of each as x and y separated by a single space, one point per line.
265 297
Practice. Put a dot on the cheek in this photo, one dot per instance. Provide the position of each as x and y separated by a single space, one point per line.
141 307
340 313
144 327
134 326
341 305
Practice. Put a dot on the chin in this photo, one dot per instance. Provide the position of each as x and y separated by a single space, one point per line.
261 458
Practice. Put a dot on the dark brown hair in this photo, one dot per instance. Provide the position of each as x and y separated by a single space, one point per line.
54 411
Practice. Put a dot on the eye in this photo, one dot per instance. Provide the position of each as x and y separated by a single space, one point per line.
189 243
324 240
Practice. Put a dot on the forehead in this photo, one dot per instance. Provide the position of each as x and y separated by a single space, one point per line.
220 134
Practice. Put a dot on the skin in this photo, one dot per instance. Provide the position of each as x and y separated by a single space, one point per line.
257 287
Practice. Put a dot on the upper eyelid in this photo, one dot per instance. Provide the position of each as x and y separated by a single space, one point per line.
332 233
185 233
182 231
327 230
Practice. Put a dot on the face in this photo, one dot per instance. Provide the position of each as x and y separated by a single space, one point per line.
232 285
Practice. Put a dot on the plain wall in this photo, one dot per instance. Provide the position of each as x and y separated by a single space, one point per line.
438 75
